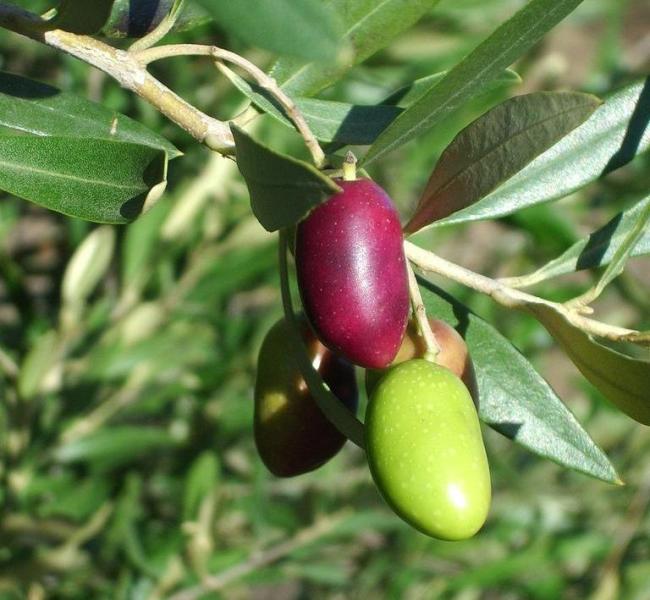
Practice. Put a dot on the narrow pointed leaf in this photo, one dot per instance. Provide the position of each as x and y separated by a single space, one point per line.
615 133
346 123
623 252
33 107
623 380
495 147
282 189
96 180
512 39
514 399
599 248
368 26
307 29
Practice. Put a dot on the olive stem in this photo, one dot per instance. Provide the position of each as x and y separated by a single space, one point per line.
266 82
420 313
350 167
513 298
127 71
347 424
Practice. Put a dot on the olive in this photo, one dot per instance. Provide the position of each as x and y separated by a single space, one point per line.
453 355
136 18
292 434
352 273
425 450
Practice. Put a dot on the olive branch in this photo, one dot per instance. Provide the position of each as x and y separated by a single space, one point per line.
129 69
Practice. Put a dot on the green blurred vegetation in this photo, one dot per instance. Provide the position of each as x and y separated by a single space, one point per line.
128 470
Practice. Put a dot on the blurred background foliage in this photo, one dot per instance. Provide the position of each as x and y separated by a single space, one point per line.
127 462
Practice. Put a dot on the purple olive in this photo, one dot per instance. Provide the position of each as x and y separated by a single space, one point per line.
292 434
352 274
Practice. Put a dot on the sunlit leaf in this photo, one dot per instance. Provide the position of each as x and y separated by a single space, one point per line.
615 133
98 180
496 146
512 39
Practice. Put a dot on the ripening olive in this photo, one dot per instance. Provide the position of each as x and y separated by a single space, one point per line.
352 273
425 450
453 355
292 435
136 18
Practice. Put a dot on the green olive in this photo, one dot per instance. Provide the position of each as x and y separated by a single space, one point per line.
292 435
425 450
453 355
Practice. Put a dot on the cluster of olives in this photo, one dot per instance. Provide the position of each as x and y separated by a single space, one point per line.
422 434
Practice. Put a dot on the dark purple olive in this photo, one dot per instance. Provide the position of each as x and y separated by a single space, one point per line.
352 274
136 18
292 435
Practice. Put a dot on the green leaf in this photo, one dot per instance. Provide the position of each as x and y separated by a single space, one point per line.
512 39
82 16
614 134
342 122
282 189
329 121
115 445
514 399
628 243
202 478
304 28
34 107
368 26
597 249
97 180
623 380
495 147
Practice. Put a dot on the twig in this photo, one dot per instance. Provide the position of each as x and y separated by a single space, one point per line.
262 559
433 348
508 296
127 71
144 57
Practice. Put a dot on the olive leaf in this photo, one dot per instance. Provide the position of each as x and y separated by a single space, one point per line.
283 189
599 248
513 397
308 29
611 137
495 147
97 180
623 380
344 123
368 26
507 43
33 107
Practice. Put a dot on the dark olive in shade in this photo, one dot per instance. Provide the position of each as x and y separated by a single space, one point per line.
352 273
136 18
292 434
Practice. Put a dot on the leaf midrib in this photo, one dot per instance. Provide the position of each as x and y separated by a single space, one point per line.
69 177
